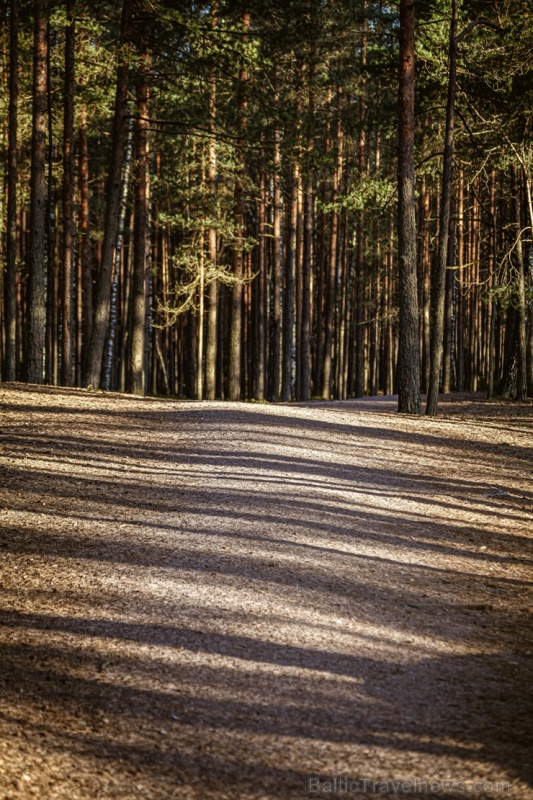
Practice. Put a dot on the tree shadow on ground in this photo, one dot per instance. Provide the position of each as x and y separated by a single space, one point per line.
210 690
172 723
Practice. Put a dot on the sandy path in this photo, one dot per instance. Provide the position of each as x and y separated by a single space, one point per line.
223 601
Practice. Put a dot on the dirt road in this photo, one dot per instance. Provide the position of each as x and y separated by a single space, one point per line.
210 600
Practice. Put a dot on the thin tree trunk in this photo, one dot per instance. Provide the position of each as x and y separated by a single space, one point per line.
275 318
211 344
439 283
235 355
521 386
308 224
10 286
449 316
529 205
118 259
92 370
137 370
36 329
85 237
68 202
425 283
408 374
260 294
53 330
360 226
460 284
305 341
201 321
212 324
331 293
491 305
289 293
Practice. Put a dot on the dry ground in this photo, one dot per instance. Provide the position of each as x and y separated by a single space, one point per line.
207 601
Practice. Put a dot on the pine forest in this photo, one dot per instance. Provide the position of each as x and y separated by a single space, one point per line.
256 200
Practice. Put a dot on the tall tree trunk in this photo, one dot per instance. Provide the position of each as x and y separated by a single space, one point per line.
308 225
331 293
260 291
439 283
521 386
408 374
235 355
360 227
275 317
52 262
10 291
529 205
305 341
289 293
449 312
85 237
93 368
68 202
201 320
141 235
460 283
211 344
425 282
36 329
118 261
492 277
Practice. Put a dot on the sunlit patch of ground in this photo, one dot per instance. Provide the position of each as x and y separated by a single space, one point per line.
214 600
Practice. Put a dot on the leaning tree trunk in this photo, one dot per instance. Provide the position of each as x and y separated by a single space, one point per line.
408 374
11 239
439 283
93 367
36 331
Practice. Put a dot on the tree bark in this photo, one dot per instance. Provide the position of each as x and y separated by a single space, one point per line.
408 370
305 341
275 317
449 315
289 293
521 345
10 294
36 330
260 292
439 283
93 368
141 235
331 292
119 261
235 355
460 283
86 283
211 344
67 273
359 287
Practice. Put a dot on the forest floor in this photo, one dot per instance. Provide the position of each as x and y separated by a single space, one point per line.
214 600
